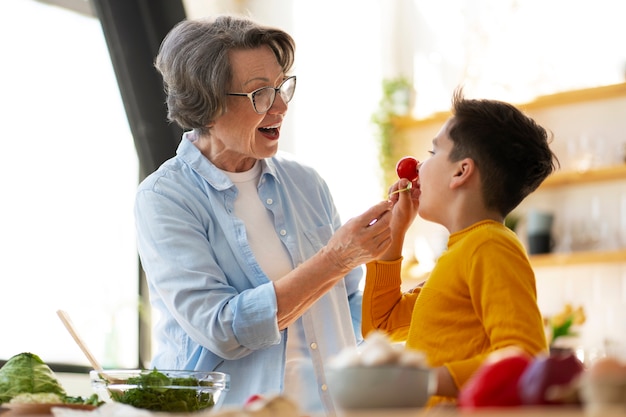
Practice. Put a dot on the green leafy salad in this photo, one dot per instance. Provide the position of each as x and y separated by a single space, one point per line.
25 378
158 392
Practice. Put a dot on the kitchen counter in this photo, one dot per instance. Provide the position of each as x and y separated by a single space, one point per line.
445 411
555 411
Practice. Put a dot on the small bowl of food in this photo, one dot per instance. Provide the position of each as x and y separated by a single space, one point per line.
380 374
162 390
387 386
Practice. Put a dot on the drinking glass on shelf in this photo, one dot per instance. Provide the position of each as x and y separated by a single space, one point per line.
590 150
622 220
579 153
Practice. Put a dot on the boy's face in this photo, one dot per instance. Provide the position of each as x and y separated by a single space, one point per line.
435 175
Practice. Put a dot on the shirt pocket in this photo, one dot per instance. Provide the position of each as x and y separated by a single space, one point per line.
319 236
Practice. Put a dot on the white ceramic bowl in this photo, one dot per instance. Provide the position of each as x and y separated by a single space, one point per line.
176 391
385 386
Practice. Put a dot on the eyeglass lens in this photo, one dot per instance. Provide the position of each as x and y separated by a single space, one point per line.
264 97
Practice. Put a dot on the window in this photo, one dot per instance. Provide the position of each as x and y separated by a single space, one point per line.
68 179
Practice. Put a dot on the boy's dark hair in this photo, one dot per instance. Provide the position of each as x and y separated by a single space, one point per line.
509 148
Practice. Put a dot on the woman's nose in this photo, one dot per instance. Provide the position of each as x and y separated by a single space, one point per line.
278 106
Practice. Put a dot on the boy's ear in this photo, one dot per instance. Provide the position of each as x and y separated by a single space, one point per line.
465 169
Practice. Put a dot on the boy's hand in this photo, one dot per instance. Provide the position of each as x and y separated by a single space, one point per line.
405 197
405 202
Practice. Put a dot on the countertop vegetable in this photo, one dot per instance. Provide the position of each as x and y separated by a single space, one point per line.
513 378
26 378
495 384
27 373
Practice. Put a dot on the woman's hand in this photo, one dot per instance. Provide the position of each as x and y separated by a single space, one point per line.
362 238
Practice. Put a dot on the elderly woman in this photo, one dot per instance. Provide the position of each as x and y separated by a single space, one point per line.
250 271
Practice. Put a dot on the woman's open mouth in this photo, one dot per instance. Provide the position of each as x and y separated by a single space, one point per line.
271 132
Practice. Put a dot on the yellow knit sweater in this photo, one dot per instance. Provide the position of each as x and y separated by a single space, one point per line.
480 297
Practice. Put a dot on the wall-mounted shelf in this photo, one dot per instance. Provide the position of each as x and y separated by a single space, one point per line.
606 92
578 258
563 178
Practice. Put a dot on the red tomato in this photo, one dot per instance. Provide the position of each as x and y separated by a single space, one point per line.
407 168
253 399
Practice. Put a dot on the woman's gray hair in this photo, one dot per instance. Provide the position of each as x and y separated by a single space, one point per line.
194 62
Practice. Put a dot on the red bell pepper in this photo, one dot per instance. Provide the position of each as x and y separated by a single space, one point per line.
495 383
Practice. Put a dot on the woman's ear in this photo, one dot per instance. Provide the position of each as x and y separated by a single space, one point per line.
465 169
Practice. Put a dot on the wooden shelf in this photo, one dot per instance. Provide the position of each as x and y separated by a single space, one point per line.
583 95
578 258
559 179
551 100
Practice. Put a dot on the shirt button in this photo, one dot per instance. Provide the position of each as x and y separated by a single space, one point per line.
269 201
324 387
283 232
313 345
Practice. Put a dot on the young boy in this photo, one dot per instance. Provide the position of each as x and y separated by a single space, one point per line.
481 294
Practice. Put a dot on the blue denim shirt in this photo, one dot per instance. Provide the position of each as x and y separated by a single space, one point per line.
213 306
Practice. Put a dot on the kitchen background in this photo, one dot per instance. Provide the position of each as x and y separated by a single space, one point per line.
70 167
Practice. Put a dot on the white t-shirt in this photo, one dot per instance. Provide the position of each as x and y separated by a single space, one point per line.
274 260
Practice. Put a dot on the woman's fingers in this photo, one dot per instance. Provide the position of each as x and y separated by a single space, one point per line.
364 237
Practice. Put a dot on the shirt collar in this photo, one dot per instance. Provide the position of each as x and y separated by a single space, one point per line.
192 156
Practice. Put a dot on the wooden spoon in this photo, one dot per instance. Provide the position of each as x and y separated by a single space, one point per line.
65 318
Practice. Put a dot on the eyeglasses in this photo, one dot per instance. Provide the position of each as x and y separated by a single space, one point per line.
263 98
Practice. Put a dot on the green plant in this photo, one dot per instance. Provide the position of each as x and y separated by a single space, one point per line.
561 324
388 108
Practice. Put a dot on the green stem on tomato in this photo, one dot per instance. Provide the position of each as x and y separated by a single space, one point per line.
408 187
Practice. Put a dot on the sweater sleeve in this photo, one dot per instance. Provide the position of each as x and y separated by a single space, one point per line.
385 307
